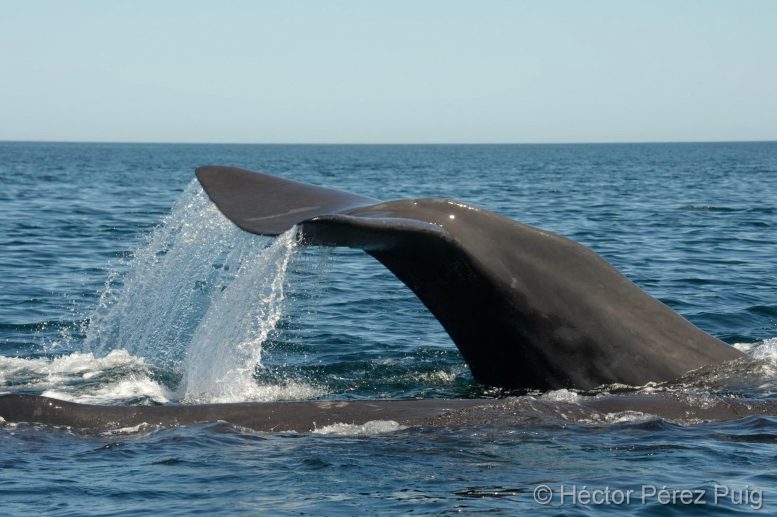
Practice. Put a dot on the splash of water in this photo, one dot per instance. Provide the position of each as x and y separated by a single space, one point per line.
197 301
227 344
152 308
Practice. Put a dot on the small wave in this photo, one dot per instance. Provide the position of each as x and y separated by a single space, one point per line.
754 209
713 208
367 428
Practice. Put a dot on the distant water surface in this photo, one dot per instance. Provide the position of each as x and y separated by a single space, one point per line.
121 284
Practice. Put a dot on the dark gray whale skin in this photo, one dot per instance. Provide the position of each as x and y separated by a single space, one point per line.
447 413
527 308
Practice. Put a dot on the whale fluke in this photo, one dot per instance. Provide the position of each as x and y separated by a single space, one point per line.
527 308
266 205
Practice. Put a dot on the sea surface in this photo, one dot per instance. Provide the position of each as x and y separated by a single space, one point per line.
120 283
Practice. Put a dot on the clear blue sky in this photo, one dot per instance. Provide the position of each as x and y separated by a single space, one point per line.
388 71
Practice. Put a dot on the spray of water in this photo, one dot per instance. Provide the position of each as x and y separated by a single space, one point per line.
197 301
227 344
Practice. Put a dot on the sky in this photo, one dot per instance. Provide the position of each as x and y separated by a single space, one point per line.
423 71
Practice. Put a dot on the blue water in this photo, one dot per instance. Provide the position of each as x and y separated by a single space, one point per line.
91 311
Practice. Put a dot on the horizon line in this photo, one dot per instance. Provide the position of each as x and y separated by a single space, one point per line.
593 142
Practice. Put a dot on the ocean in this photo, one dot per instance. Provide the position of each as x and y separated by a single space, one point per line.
121 284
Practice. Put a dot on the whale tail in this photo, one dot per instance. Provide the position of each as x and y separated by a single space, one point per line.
526 308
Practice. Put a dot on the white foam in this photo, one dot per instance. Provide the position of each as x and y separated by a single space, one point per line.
61 371
127 430
367 428
290 390
628 417
765 350
438 377
88 365
121 377
562 395
13 367
124 390
619 417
